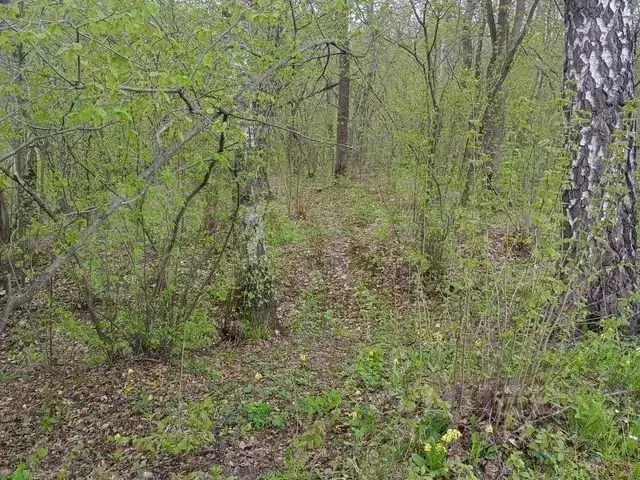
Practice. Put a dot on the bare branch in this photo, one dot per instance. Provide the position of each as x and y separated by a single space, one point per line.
56 133
32 193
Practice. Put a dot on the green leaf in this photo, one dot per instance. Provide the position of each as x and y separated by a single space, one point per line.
123 114
417 460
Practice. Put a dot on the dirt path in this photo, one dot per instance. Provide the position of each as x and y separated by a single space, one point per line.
328 342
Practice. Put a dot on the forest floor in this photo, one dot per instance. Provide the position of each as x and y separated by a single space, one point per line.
339 393
84 416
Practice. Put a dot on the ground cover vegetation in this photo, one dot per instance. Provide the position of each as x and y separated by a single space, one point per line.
318 239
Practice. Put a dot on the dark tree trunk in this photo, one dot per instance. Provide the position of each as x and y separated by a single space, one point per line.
504 47
471 149
494 114
466 44
342 137
344 87
5 222
493 131
5 239
25 161
601 200
15 219
25 209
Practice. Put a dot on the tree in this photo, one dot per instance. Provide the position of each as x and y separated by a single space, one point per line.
466 41
15 219
344 86
25 163
601 200
254 299
505 43
5 220
494 113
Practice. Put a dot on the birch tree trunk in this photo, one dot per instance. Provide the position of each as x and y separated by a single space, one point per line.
252 302
253 298
601 200
255 295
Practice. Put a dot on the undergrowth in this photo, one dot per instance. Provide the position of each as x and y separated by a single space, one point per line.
475 377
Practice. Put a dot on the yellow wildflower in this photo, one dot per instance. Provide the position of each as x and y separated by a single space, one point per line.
488 429
258 377
427 447
451 436
478 344
438 337
303 358
441 448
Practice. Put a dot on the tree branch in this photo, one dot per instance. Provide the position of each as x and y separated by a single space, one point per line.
32 193
33 140
491 21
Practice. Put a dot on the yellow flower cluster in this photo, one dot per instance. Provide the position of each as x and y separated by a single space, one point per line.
451 436
441 447
438 448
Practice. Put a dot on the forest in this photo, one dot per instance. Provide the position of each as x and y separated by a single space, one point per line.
319 239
